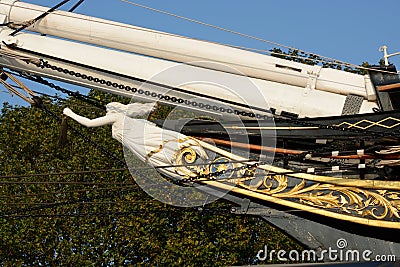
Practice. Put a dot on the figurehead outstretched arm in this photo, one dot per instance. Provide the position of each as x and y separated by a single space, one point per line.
109 119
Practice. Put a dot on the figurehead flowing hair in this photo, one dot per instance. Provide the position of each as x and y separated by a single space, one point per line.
131 110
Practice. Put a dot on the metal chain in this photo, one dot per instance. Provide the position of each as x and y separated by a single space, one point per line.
366 134
157 96
251 168
212 176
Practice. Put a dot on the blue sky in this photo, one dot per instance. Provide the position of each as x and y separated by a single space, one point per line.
349 30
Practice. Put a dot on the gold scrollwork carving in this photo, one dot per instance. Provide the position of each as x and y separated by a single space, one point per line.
375 204
190 158
366 203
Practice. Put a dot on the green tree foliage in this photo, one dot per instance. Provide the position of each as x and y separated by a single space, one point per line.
103 218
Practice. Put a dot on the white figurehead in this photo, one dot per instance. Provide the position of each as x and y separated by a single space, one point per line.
150 143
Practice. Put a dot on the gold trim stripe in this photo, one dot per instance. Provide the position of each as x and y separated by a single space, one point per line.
371 124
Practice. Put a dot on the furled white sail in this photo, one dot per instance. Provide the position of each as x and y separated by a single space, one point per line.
187 50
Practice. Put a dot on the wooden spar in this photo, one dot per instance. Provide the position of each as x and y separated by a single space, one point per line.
388 87
13 90
289 128
289 151
251 146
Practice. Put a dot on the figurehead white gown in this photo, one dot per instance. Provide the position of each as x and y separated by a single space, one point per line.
150 143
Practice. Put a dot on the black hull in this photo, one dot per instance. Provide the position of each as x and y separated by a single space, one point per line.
338 127
319 209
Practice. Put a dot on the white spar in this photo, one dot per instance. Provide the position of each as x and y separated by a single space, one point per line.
226 86
182 49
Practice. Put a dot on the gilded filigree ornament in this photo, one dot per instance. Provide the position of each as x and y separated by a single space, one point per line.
368 203
191 159
376 204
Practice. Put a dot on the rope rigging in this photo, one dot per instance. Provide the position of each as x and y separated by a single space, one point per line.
366 135
33 21
12 89
21 26
211 176
87 99
72 9
37 102
312 56
119 193
248 165
67 192
201 211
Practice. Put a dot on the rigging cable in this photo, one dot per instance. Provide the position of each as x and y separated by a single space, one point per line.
89 100
76 6
122 169
67 192
320 59
63 173
119 193
31 22
220 211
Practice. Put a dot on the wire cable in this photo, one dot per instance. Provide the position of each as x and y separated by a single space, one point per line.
63 173
76 6
69 202
219 211
31 22
67 192
323 58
